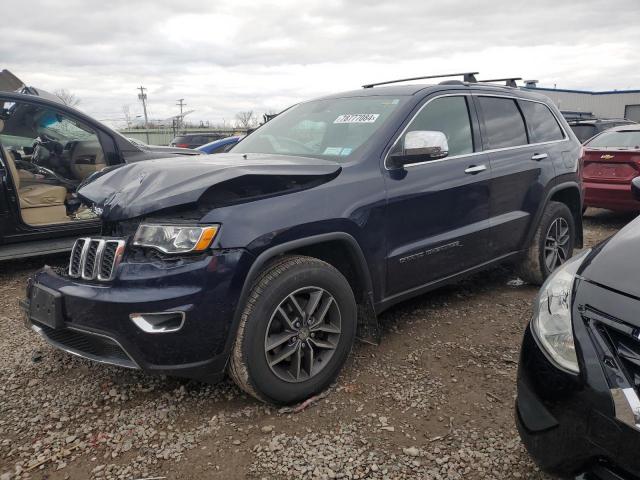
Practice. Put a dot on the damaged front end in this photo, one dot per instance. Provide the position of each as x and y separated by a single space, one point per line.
200 184
157 207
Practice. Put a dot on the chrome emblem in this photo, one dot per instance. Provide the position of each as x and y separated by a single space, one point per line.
96 210
606 157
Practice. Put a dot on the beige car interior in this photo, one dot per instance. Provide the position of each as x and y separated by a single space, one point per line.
43 197
86 158
40 203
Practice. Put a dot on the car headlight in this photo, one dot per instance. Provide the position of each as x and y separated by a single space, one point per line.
551 321
175 238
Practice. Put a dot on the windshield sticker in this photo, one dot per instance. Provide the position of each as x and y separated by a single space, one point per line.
346 151
357 118
332 151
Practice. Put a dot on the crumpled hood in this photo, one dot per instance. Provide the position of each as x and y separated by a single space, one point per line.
617 263
145 187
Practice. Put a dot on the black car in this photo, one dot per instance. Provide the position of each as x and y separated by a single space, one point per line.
267 261
47 149
578 404
585 128
195 140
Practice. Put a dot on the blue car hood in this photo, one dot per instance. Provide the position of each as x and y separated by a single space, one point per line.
145 187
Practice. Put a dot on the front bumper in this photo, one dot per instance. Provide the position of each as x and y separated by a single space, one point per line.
575 423
97 324
612 196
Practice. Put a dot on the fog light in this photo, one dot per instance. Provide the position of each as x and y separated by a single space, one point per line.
161 322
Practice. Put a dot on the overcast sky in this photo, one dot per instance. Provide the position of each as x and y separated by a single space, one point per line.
225 57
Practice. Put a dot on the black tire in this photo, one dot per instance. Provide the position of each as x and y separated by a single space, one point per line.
249 366
534 267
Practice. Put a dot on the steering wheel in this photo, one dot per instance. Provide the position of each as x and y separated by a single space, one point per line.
44 147
278 143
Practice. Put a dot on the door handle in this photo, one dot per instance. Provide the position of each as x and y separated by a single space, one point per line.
474 169
539 156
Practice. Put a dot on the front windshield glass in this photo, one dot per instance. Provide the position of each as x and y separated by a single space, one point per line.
61 128
331 128
617 139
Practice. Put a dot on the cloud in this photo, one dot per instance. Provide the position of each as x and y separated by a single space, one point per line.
224 57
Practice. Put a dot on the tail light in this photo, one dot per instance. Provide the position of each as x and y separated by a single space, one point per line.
182 145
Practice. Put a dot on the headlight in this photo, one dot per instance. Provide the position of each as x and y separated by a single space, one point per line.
552 316
175 238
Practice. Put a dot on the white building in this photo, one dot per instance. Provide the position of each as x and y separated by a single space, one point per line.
608 104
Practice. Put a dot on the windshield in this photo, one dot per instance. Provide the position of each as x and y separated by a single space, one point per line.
332 128
617 139
61 127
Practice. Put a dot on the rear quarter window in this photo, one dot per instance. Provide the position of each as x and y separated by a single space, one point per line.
543 126
503 123
584 132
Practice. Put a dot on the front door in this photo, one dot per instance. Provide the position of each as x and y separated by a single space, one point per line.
4 198
438 210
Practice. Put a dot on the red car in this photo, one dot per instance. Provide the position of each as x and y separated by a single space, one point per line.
610 160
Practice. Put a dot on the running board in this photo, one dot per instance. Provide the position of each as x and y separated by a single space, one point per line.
36 248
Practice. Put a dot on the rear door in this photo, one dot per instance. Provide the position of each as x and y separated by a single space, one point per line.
438 210
522 157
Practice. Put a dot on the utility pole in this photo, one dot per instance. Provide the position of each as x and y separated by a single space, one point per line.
143 96
181 104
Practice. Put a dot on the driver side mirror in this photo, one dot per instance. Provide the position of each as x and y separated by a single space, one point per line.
420 146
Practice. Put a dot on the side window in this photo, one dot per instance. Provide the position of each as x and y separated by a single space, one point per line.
45 137
449 115
584 132
504 126
48 153
543 126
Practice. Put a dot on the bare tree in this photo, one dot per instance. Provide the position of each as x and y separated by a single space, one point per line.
67 97
246 120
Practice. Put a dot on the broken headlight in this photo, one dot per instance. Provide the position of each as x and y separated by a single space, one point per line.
175 238
551 321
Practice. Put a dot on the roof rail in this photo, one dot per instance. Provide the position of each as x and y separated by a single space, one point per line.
467 76
508 82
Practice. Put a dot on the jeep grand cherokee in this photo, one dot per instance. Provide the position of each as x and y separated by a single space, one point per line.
266 262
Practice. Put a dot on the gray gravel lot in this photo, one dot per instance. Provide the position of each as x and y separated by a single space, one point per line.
433 401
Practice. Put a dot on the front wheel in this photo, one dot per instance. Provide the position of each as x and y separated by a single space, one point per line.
296 330
552 244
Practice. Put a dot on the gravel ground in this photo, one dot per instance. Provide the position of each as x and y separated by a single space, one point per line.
433 401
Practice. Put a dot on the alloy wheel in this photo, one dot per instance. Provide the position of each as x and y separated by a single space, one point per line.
303 334
557 244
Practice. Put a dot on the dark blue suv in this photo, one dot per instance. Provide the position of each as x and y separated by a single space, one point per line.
268 261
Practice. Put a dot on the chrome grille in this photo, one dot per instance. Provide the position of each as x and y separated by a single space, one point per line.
95 258
89 264
76 255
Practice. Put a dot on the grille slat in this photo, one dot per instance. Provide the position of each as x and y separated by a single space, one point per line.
96 258
76 256
108 257
90 260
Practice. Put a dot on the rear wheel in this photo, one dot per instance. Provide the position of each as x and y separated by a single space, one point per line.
552 244
295 332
